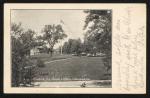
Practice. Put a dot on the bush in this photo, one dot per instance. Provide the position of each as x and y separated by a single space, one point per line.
40 63
107 62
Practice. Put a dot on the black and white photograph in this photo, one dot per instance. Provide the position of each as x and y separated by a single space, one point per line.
75 48
61 48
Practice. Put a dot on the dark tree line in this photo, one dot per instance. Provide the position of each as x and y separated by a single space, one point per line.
75 46
72 46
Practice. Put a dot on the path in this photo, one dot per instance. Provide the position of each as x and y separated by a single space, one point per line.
57 60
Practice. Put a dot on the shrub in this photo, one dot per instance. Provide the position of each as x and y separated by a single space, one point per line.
40 63
107 62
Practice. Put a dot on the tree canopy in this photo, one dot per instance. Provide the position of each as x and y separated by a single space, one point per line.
98 27
21 43
72 46
98 31
52 34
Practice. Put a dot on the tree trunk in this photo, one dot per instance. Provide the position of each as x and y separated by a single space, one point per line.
50 51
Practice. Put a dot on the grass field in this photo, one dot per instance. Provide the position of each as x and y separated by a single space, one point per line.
67 67
47 57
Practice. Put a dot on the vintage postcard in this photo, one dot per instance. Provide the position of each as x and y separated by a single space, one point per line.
75 48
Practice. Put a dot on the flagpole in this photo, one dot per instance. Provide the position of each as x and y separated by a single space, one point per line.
61 48
61 42
62 22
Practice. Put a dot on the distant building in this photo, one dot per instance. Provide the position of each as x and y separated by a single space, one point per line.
57 51
39 49
34 51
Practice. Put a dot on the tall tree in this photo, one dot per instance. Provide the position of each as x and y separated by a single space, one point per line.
21 43
73 46
98 25
76 46
66 48
99 30
52 34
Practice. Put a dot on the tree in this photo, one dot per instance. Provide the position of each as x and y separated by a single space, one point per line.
21 43
88 46
72 46
52 34
66 48
76 46
70 43
99 32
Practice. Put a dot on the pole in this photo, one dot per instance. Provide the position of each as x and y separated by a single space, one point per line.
61 22
61 48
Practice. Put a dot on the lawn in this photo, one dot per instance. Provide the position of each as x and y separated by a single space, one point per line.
47 57
68 68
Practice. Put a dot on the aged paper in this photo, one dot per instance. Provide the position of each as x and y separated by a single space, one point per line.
128 49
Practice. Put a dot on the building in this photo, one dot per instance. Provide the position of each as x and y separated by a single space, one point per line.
36 50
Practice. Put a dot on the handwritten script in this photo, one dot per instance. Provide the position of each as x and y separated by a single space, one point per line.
129 45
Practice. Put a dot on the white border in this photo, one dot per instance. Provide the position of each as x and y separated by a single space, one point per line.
116 11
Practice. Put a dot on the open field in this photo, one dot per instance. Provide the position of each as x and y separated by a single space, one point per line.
47 57
73 68
72 71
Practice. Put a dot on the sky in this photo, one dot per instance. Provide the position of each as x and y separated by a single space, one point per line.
36 19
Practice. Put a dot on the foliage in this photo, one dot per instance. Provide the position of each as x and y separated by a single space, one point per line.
98 27
66 48
21 43
88 46
100 30
40 63
107 62
72 46
52 34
